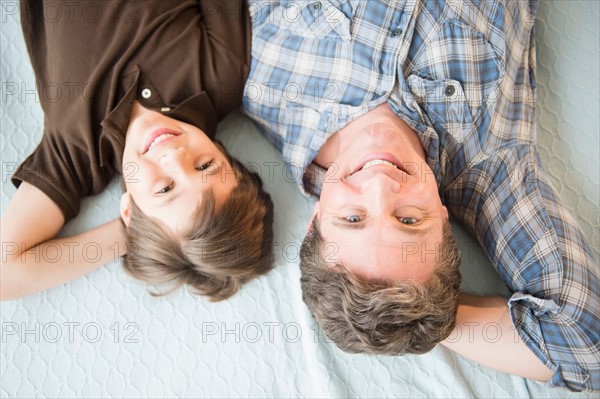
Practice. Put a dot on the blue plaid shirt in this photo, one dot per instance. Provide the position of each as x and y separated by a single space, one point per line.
462 75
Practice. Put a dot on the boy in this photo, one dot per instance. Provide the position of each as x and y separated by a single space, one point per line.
147 84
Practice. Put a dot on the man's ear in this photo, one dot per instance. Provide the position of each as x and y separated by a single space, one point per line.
125 209
444 213
314 215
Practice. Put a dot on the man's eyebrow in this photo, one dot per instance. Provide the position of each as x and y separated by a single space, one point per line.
413 231
348 225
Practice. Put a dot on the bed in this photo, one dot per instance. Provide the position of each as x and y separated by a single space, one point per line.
104 335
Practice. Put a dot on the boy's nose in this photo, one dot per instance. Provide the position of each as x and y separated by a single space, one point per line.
174 157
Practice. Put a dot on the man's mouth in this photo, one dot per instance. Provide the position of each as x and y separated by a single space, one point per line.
378 162
379 159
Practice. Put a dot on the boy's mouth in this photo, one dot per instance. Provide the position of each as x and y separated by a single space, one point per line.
159 136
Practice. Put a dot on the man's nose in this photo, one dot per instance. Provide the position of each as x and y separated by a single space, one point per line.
379 183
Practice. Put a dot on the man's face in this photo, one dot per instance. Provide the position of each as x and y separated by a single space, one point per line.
168 168
380 207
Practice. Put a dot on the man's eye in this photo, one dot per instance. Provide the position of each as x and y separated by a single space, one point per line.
353 218
407 220
205 165
166 189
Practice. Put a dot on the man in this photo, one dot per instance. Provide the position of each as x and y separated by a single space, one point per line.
397 113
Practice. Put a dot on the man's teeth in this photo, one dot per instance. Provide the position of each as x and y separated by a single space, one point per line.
377 162
160 138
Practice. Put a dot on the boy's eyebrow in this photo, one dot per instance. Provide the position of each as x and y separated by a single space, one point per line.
178 194
170 199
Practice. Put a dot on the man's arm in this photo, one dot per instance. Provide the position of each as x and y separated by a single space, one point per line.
33 260
485 334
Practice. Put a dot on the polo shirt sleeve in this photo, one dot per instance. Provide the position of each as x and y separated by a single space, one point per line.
534 242
62 169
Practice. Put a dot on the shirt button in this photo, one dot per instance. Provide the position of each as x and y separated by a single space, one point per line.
316 5
396 32
449 90
165 109
146 93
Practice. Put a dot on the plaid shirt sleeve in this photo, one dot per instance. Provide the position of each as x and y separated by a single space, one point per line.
540 253
494 183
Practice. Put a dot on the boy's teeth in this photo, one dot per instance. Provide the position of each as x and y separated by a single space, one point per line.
160 138
377 162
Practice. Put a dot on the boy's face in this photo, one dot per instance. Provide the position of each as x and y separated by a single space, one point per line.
380 213
169 166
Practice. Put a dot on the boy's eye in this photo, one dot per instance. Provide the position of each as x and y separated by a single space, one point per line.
205 165
166 189
353 218
407 220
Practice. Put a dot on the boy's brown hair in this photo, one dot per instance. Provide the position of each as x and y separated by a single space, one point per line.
219 251
381 317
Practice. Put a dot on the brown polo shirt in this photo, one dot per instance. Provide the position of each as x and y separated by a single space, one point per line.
93 59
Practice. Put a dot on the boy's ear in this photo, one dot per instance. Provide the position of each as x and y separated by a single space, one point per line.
125 209
315 213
